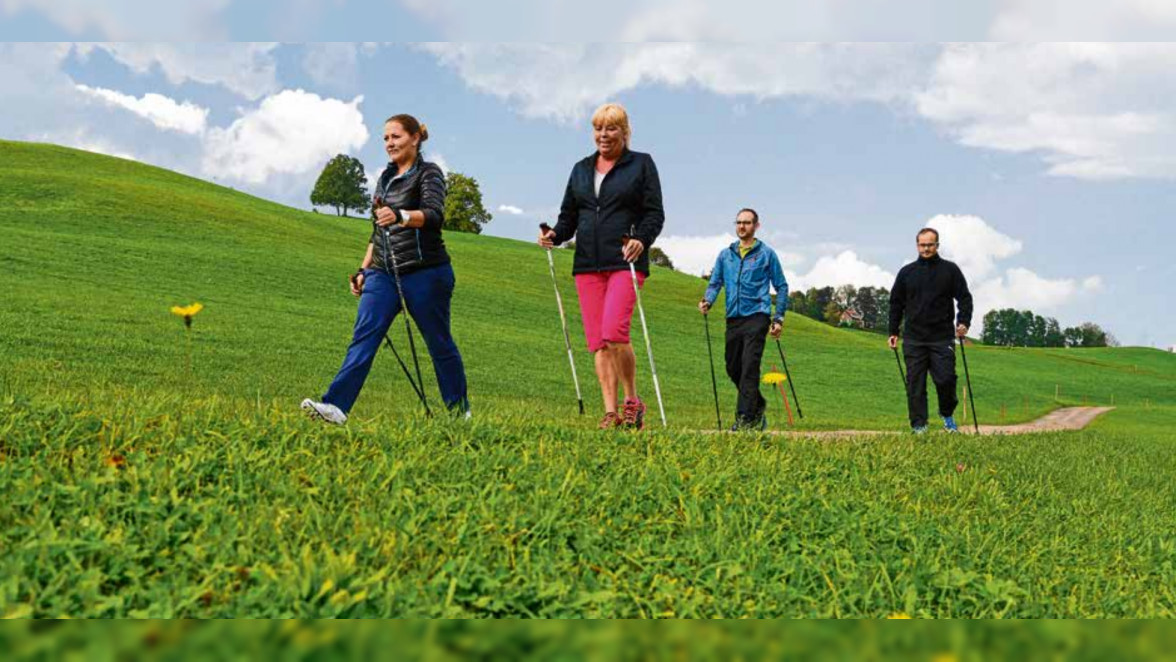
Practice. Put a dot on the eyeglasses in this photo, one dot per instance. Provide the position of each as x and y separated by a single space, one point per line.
744 222
929 245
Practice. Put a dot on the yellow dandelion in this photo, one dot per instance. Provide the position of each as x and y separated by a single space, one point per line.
775 378
187 312
899 616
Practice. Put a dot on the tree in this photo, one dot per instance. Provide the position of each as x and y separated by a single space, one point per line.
658 256
342 185
464 211
797 302
819 301
1053 334
866 303
832 313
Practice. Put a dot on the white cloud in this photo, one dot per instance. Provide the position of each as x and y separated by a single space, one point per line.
972 243
697 20
42 104
694 255
845 268
439 160
334 65
1021 288
290 132
1090 110
79 138
193 20
511 209
1057 20
565 81
161 111
249 69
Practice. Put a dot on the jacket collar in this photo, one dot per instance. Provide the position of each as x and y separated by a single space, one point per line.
393 168
755 247
936 259
626 156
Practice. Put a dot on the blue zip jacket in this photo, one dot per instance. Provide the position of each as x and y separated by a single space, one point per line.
747 279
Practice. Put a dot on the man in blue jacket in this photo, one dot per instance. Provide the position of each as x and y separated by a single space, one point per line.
747 269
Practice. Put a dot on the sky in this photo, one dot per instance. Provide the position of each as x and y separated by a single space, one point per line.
1047 166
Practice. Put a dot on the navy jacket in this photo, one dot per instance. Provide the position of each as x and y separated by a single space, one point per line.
630 202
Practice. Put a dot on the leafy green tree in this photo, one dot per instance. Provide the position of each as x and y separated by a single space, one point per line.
464 211
797 303
1053 334
342 185
866 303
819 299
658 256
832 313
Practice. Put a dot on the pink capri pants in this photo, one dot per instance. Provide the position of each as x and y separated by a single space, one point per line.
606 304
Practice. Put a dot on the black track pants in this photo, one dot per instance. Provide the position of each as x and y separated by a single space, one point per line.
745 348
939 359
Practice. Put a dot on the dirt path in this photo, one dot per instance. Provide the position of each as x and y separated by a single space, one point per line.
1066 418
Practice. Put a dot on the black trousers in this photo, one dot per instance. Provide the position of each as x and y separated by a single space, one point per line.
940 360
745 348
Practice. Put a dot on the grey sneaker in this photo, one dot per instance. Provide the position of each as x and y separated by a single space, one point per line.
324 412
922 429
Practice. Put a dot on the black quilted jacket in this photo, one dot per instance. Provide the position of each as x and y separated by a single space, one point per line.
421 188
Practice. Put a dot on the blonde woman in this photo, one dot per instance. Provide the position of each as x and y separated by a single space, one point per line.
612 207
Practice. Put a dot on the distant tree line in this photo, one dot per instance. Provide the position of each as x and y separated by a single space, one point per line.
866 308
1022 328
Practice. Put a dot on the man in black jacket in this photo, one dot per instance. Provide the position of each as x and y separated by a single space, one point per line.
922 295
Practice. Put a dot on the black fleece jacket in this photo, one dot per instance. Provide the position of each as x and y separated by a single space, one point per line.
923 294
630 201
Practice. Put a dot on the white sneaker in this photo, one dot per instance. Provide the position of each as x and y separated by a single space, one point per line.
324 412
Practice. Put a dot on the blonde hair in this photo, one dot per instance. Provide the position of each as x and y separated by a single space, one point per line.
613 113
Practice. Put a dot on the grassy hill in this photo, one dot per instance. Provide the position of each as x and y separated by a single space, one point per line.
137 486
97 249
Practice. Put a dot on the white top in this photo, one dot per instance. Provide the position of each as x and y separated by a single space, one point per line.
599 179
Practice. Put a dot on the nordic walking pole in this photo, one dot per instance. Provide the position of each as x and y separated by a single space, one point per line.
390 258
788 375
412 382
968 381
714 382
905 386
545 228
645 330
388 341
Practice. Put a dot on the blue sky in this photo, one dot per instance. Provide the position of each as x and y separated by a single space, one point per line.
1048 167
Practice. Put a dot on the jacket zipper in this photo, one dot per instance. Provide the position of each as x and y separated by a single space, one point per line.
597 196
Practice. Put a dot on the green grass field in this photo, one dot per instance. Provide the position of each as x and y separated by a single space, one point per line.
137 485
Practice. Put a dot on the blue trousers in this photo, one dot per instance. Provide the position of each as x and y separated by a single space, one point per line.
428 293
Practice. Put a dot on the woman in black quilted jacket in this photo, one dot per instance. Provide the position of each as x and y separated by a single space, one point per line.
406 245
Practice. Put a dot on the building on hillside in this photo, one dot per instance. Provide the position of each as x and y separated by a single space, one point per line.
850 317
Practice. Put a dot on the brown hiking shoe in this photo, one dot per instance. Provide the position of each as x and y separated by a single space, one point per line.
610 421
634 412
